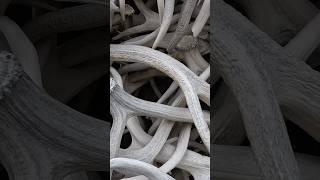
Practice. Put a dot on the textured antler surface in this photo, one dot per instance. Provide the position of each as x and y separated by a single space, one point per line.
159 66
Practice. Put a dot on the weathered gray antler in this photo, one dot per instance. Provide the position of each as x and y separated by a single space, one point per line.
38 122
161 131
294 85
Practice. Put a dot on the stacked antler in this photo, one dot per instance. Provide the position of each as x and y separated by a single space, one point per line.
160 64
263 85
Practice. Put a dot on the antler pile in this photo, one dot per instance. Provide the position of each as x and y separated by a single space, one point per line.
53 49
159 65
260 55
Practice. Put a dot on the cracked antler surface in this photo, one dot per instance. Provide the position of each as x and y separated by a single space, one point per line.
46 129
